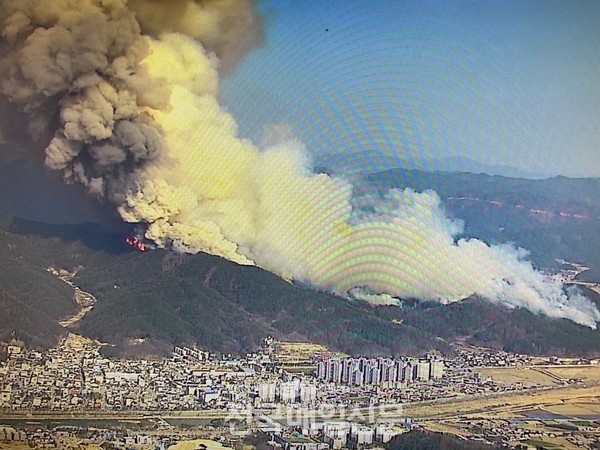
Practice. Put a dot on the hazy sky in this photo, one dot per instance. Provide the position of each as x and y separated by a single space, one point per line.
385 81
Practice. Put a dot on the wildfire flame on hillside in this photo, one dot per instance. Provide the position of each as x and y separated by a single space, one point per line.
136 243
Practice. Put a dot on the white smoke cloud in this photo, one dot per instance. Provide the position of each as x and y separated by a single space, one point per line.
374 299
139 124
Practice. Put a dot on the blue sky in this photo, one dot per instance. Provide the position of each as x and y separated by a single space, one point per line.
385 82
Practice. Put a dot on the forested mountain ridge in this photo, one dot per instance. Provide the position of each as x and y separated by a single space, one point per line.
148 302
553 218
162 298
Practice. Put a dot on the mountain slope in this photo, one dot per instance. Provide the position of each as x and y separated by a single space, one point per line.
516 330
221 306
32 299
206 300
147 302
26 323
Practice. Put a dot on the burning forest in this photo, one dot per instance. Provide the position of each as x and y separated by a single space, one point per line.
123 97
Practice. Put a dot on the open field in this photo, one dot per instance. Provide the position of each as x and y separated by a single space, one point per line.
538 429
445 427
571 401
551 444
541 375
14 446
302 351
587 373
527 376
300 357
548 411
294 351
580 409
194 444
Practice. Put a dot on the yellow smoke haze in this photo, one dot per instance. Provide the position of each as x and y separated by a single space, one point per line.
229 28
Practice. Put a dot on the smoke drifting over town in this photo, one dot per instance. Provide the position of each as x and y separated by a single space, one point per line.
124 95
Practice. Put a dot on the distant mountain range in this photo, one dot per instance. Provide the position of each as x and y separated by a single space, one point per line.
344 163
467 165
